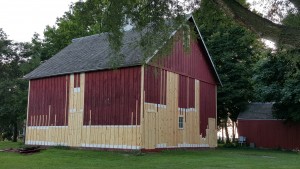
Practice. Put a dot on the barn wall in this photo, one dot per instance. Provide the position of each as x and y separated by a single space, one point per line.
112 97
48 102
186 92
160 122
193 63
104 111
155 85
207 105
189 67
80 131
270 133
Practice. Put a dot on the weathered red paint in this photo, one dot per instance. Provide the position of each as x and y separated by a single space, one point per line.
270 133
186 92
155 85
113 97
194 63
76 80
207 105
48 95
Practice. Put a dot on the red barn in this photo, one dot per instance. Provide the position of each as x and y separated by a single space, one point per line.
77 99
257 124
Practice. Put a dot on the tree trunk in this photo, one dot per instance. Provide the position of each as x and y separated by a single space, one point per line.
15 132
233 131
280 34
222 133
226 132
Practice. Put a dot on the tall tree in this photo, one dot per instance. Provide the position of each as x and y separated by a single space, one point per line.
278 79
234 50
13 89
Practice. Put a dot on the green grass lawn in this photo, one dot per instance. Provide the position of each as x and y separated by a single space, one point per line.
218 158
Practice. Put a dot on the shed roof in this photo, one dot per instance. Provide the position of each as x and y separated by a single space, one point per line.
257 111
93 52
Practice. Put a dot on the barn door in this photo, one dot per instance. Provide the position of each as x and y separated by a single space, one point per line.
76 100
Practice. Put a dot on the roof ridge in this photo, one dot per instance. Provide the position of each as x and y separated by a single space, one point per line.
84 37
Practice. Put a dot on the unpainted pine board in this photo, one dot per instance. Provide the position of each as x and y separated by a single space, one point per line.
169 108
108 136
84 135
146 128
116 136
79 130
144 135
212 132
175 115
157 125
82 86
103 133
211 123
139 140
142 101
153 130
172 111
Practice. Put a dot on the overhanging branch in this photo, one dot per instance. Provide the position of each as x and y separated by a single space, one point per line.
263 27
296 3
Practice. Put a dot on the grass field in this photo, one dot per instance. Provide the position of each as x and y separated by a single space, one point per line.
56 158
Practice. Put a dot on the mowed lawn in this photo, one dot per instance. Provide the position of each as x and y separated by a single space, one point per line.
215 158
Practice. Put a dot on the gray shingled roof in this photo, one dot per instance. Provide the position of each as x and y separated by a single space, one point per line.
257 111
87 54
92 53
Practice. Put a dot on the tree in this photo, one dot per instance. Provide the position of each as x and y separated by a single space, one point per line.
234 50
278 80
13 89
97 16
281 34
82 19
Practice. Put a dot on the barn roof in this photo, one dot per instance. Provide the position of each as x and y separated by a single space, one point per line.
93 52
257 111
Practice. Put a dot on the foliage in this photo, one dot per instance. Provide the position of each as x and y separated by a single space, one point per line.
292 20
13 89
282 35
278 80
97 16
82 19
234 51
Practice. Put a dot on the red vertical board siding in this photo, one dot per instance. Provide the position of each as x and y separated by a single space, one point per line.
194 63
207 105
155 85
270 133
182 92
76 80
191 96
113 97
186 92
44 93
191 65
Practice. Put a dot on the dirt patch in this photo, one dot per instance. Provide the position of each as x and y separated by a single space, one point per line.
25 150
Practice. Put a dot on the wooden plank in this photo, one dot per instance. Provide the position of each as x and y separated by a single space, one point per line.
28 97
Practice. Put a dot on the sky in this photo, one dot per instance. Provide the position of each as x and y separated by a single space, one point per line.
21 18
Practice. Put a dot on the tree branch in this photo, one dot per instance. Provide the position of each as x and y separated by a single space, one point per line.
296 3
263 27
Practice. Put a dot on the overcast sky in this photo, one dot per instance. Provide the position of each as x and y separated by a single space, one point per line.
21 18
